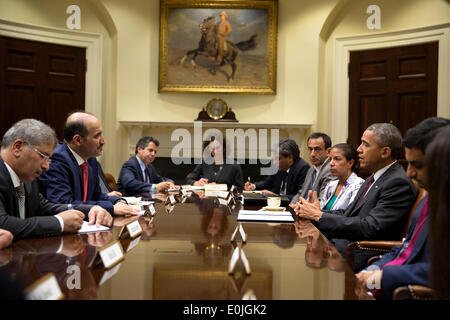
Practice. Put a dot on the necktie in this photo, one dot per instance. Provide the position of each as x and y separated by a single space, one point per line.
85 172
370 181
20 193
407 248
283 183
147 175
313 178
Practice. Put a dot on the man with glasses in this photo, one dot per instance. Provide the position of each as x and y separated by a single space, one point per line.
25 155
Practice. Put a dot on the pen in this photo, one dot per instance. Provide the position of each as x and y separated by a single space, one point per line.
248 178
69 206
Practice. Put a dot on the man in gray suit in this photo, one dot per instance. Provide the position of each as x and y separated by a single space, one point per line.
318 175
382 205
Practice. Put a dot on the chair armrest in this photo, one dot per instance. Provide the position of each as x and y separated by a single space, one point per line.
416 292
378 245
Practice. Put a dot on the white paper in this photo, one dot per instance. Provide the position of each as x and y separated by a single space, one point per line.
132 200
216 187
265 216
251 192
86 228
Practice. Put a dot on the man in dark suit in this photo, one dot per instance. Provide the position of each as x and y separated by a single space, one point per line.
318 175
26 149
381 207
73 174
401 266
138 175
291 173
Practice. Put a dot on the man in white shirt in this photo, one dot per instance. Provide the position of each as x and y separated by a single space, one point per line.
381 207
25 155
318 175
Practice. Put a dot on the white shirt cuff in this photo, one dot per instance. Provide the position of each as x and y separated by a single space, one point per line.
61 222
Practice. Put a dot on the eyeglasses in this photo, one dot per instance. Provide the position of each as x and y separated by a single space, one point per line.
43 156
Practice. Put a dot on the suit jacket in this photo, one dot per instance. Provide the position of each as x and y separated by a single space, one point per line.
322 178
296 176
39 212
231 174
104 187
416 268
63 183
131 180
381 215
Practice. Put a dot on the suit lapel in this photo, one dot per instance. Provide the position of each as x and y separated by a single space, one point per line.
373 191
7 182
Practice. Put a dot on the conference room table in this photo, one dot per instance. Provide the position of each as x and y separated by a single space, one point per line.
184 253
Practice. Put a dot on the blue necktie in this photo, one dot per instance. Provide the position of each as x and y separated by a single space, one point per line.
313 178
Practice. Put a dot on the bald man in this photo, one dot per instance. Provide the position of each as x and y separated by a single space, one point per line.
73 174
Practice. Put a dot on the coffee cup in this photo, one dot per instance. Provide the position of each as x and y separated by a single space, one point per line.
273 202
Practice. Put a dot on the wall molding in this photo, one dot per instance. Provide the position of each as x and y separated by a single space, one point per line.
340 81
91 41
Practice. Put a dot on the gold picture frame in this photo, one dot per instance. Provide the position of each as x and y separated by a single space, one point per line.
190 42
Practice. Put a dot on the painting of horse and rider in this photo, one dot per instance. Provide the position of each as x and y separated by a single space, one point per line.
218 49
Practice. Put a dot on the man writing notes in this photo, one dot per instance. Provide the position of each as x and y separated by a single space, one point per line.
138 175
291 173
381 206
73 175
25 154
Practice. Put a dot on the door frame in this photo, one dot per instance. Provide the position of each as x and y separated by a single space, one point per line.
91 41
340 80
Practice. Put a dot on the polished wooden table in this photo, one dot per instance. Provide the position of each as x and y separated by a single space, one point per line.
184 254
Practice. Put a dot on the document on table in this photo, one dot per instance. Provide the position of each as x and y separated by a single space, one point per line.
86 228
264 216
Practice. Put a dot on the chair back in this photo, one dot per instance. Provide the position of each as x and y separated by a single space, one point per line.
422 193
111 181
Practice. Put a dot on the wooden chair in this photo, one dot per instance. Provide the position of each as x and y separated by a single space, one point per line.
111 181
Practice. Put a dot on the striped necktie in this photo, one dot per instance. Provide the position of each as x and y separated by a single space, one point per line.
20 193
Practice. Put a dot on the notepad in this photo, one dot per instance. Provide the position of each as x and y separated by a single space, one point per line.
264 216
86 228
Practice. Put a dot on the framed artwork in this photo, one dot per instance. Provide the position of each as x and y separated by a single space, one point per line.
221 46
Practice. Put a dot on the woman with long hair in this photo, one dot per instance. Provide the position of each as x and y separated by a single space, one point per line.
438 167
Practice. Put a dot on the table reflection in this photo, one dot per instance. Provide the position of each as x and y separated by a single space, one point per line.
188 257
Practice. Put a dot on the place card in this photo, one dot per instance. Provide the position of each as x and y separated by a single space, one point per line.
109 255
223 194
184 192
132 229
241 233
46 288
223 202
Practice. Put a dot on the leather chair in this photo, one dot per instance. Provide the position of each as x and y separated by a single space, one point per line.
111 181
